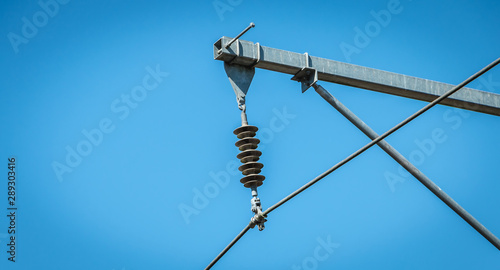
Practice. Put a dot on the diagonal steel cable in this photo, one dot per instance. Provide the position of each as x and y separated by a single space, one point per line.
355 154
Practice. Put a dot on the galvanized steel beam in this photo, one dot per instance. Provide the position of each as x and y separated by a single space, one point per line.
251 54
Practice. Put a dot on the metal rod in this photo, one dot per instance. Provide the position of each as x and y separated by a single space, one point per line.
383 136
407 165
228 247
244 120
252 25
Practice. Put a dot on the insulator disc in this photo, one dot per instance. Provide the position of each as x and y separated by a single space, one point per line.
252 184
253 180
245 131
247 143
245 128
251 168
246 134
249 155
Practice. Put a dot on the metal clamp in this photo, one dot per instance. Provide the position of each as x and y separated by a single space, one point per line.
306 76
257 60
259 218
237 53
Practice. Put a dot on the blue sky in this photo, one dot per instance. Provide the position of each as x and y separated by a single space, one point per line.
71 80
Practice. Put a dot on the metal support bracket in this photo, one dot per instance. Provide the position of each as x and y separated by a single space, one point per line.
240 78
306 76
239 75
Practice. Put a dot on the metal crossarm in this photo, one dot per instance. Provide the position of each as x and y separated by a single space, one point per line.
249 54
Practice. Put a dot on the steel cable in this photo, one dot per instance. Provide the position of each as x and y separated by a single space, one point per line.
229 246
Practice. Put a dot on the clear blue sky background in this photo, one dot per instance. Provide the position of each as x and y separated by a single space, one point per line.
120 205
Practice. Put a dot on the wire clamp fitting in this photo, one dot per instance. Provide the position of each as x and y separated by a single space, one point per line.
258 220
